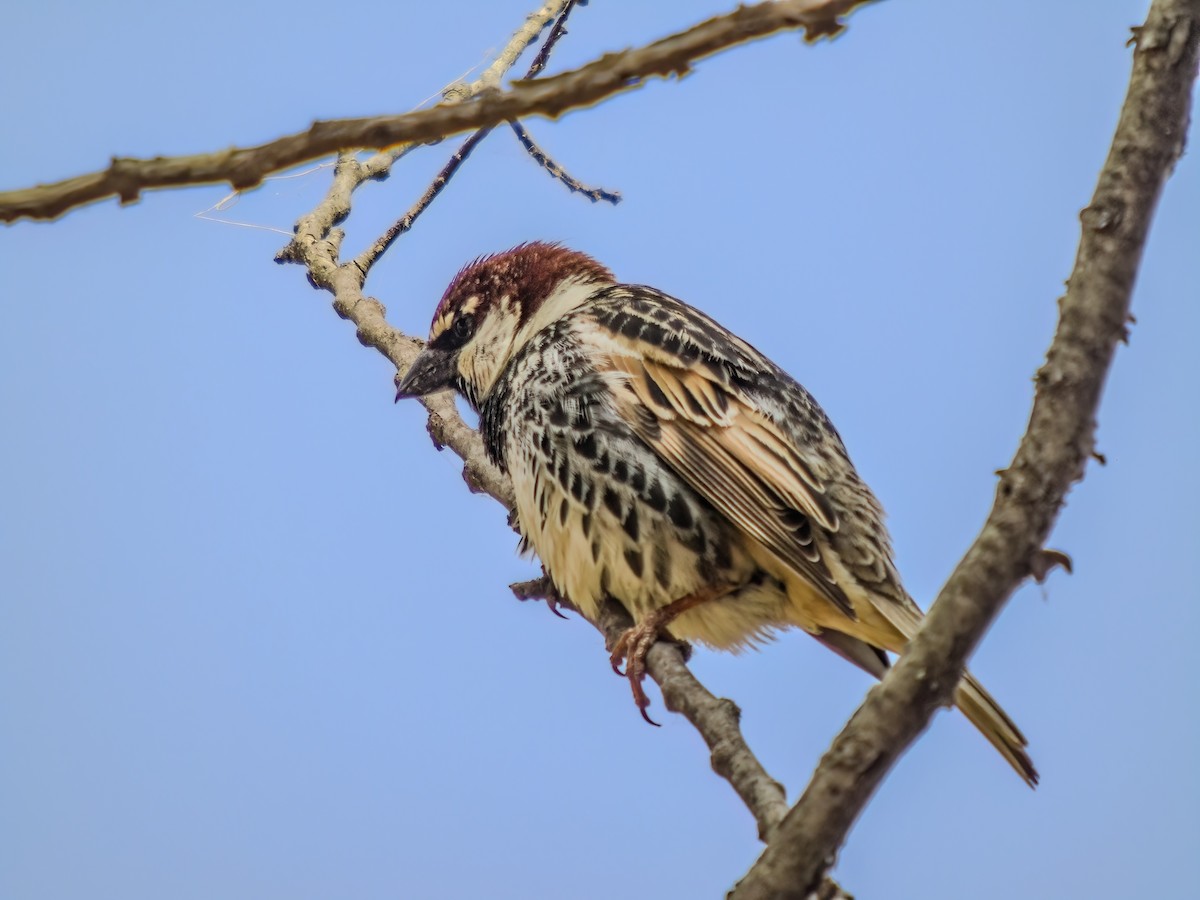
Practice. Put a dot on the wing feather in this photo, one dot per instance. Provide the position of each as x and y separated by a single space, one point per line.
755 445
730 452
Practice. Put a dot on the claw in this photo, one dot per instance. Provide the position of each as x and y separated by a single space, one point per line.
646 716
633 645
635 670
619 651
631 648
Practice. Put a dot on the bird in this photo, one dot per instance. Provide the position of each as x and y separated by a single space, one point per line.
661 460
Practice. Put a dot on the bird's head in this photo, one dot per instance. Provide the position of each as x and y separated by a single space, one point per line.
491 308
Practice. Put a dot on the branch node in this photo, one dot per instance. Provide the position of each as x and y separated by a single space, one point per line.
289 253
1045 561
1100 218
542 589
123 174
434 426
457 92
472 478
823 28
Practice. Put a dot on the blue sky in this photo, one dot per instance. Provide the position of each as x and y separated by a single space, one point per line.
255 635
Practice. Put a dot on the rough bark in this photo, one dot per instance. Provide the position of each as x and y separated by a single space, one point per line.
1052 455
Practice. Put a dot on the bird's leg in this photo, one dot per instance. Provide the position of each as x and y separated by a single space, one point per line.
632 646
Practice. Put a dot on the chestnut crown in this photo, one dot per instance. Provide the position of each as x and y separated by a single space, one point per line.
492 307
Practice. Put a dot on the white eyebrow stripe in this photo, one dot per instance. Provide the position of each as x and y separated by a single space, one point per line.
446 319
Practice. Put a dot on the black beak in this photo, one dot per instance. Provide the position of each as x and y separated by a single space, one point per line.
432 371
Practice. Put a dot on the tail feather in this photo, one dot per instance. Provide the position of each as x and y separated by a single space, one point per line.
870 659
971 697
904 617
995 725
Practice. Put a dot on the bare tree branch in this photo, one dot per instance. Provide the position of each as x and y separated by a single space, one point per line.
1052 455
315 243
613 73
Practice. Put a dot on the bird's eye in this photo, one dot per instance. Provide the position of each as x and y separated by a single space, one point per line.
464 327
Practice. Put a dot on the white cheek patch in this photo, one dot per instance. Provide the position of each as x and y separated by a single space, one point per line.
564 298
488 352
483 358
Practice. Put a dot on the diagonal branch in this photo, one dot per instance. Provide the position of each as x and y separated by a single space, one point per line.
1093 317
613 73
404 224
715 718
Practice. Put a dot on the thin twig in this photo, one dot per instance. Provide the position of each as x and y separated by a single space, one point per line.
371 255
311 244
613 73
556 171
557 32
1051 457
524 37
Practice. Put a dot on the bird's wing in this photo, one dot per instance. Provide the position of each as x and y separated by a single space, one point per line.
687 398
